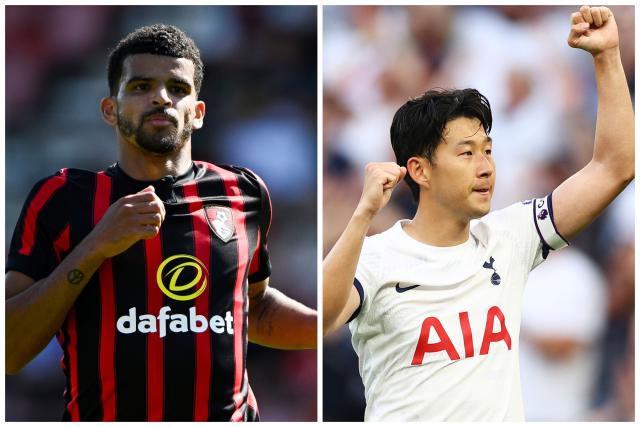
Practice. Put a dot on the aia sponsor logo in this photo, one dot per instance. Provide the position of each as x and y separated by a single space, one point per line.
220 219
182 277
433 325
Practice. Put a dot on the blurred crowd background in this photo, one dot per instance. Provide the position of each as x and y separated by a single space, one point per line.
260 87
577 339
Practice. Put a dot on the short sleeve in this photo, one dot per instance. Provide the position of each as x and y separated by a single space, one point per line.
41 237
260 267
365 279
531 226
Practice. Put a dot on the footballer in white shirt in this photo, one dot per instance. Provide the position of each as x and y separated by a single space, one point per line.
434 303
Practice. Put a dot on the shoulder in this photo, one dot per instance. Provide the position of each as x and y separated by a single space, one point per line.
245 177
64 180
378 247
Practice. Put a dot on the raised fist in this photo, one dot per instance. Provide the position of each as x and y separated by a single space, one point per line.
131 218
379 181
593 29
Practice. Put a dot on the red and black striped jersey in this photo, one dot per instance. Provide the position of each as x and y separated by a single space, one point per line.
160 331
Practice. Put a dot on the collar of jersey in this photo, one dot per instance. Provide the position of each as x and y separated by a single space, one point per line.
173 181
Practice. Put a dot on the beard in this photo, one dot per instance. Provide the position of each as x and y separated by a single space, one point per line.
163 141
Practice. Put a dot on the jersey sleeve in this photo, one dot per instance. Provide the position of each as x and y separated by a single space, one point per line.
260 267
41 237
365 279
532 226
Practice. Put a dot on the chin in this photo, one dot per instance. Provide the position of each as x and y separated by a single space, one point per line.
480 211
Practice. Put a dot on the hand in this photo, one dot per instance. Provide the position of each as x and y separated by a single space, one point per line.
131 218
379 181
593 29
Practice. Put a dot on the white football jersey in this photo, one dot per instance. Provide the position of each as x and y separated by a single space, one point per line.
437 330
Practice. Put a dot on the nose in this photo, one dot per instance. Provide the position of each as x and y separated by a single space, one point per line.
161 97
485 167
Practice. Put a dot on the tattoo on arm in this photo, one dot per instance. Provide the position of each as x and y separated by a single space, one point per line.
265 315
75 277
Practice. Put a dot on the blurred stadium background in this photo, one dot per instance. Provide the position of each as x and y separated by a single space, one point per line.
260 87
577 339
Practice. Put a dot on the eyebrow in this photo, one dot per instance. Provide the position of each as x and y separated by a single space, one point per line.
470 142
148 79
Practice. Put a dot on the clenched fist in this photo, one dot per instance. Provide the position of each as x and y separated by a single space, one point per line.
379 181
131 218
593 29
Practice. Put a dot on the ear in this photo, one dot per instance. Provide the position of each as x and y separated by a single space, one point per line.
109 110
198 120
419 169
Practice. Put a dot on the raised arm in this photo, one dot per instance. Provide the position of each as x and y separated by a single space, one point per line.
583 196
340 298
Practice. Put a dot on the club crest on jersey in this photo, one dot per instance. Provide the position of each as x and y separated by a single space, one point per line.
495 277
220 221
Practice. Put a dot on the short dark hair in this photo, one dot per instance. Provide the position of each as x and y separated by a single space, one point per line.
418 125
158 39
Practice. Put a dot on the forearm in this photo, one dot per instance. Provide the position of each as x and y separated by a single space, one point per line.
35 314
277 321
614 139
339 269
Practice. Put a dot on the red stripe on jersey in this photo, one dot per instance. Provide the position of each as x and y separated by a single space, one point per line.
237 206
255 262
155 349
43 195
202 245
107 308
72 350
61 244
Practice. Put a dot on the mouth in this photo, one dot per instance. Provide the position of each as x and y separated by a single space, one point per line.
160 120
483 191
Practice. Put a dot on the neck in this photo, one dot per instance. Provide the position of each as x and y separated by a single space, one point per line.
145 166
436 226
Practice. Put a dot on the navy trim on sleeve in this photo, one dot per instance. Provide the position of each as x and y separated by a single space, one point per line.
553 221
360 290
545 247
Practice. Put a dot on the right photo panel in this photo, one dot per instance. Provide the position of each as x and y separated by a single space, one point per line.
478 213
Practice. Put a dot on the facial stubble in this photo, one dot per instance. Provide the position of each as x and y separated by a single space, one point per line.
163 141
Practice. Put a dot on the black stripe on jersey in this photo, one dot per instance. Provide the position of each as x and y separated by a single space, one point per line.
251 199
87 316
130 351
220 301
179 376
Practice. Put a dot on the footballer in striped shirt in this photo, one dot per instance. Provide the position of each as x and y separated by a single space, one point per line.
153 273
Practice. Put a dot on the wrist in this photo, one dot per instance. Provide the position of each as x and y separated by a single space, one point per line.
607 56
92 249
364 213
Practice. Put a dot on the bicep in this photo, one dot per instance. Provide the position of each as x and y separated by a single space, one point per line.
352 304
583 196
16 282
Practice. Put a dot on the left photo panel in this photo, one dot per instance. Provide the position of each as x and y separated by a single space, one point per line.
160 213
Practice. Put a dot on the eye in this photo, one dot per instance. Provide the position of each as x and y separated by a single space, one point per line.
140 87
467 153
179 90
488 151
